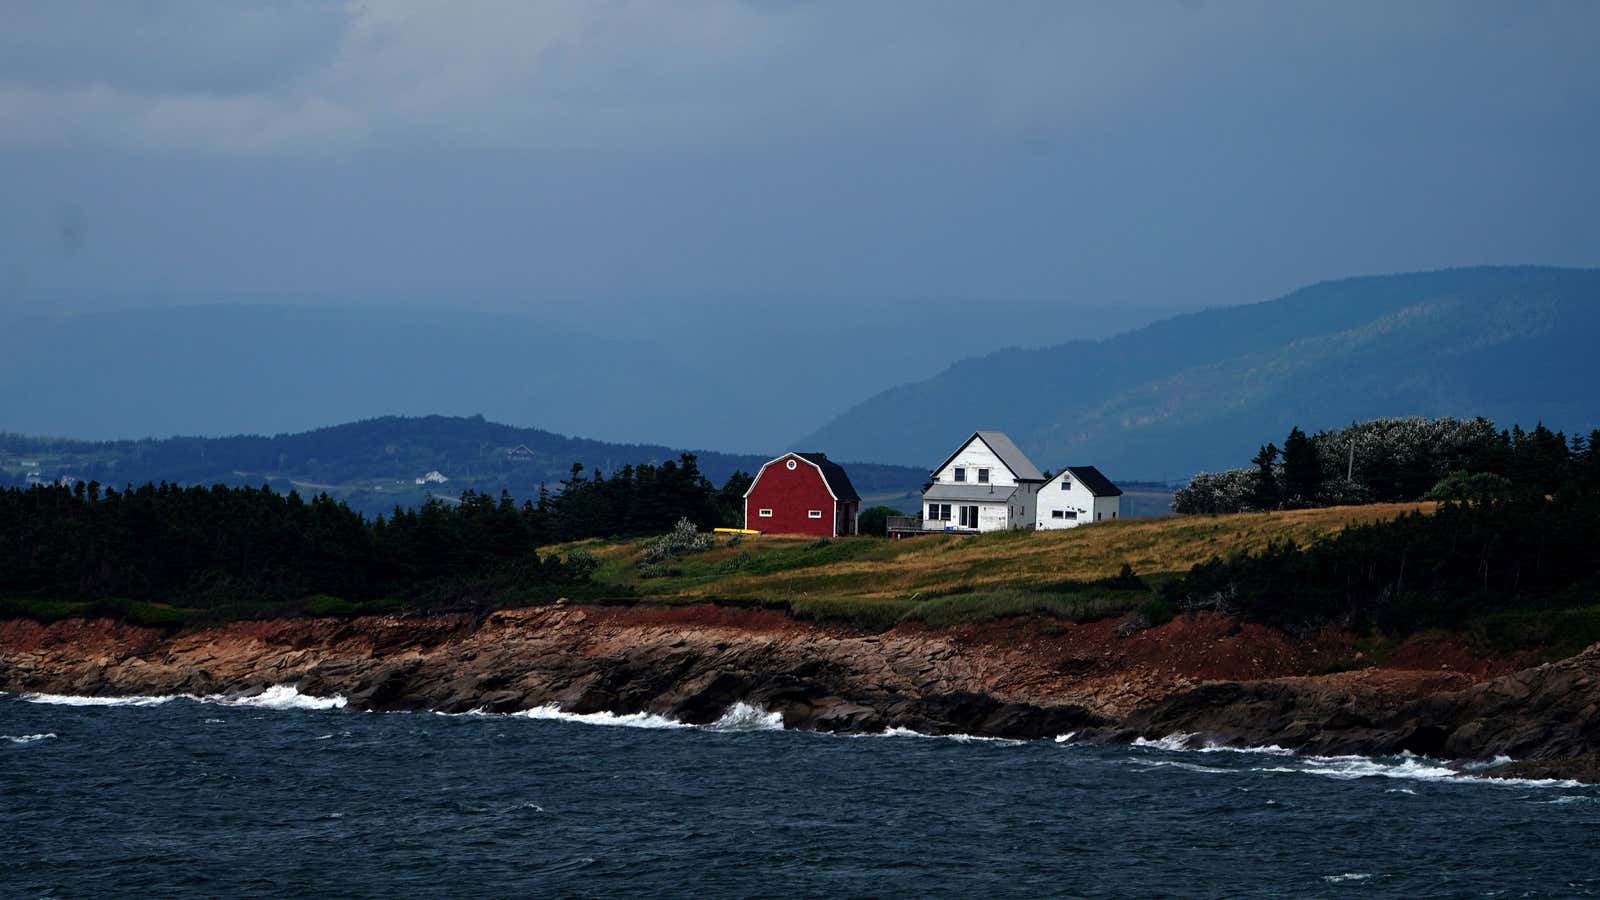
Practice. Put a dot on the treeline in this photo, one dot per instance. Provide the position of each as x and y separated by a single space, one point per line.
1520 551
211 547
636 500
1397 460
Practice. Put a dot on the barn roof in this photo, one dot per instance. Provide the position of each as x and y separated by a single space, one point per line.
1098 484
1018 462
833 474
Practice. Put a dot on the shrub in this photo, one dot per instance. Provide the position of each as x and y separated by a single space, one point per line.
683 538
1461 485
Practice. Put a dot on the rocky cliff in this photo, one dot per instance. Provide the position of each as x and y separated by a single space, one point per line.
1204 676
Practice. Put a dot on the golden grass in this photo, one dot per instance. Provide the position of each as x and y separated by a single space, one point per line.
776 567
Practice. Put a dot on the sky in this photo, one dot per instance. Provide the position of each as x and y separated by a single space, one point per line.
621 160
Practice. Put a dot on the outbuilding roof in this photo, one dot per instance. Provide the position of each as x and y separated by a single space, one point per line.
834 475
1090 477
1022 468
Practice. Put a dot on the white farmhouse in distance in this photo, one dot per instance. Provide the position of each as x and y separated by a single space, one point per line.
434 477
1077 495
988 484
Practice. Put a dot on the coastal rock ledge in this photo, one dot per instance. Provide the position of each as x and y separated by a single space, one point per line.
1214 680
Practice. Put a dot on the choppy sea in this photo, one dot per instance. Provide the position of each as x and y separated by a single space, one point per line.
283 794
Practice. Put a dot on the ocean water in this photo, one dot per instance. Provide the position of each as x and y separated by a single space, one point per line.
283 794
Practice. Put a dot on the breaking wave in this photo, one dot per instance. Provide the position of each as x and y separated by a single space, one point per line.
743 717
279 696
74 700
27 738
740 716
555 713
1349 768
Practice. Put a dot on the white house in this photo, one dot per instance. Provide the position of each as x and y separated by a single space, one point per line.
988 484
1079 494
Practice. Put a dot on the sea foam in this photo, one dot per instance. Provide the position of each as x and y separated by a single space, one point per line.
279 696
73 700
27 738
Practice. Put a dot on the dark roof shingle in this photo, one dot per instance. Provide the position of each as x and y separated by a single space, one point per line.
834 474
1098 484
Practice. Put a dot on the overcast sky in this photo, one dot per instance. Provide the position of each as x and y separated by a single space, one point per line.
627 157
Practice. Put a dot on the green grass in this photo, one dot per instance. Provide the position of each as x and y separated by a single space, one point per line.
987 606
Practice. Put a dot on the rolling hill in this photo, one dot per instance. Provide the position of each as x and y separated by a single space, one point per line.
373 464
1203 390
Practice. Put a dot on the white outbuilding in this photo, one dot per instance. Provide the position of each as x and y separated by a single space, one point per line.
1076 496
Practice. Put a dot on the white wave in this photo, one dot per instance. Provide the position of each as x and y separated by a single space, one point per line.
1406 766
1349 768
27 738
898 731
1176 741
1347 876
743 717
1066 738
628 720
1401 791
279 696
73 700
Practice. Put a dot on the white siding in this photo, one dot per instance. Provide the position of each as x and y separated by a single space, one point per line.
972 457
1076 501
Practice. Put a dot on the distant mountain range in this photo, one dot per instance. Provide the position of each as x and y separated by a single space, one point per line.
374 464
1203 390
743 378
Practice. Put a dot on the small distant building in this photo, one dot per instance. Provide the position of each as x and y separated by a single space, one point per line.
802 493
988 484
434 477
1078 495
520 453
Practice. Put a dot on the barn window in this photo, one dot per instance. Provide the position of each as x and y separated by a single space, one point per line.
961 474
765 513
983 476
792 465
814 513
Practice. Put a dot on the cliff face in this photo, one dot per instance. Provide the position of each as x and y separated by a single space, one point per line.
1206 675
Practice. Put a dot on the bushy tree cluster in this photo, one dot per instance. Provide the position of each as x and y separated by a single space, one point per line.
1393 460
1512 552
205 547
636 500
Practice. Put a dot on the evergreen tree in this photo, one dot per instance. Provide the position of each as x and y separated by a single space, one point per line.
1265 493
1302 469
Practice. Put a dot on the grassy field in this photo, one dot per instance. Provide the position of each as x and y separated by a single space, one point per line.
1061 572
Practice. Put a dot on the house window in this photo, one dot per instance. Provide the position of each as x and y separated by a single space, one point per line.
1066 484
969 517
983 476
1058 514
938 512
814 514
765 513
961 474
1113 514
1099 516
792 464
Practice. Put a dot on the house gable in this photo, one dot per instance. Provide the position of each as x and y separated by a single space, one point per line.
992 450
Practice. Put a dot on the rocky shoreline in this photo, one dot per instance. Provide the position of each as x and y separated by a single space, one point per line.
1212 679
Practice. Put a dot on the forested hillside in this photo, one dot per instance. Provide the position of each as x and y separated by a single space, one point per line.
1196 391
373 465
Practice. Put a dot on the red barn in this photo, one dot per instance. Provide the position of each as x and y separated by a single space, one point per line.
802 493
